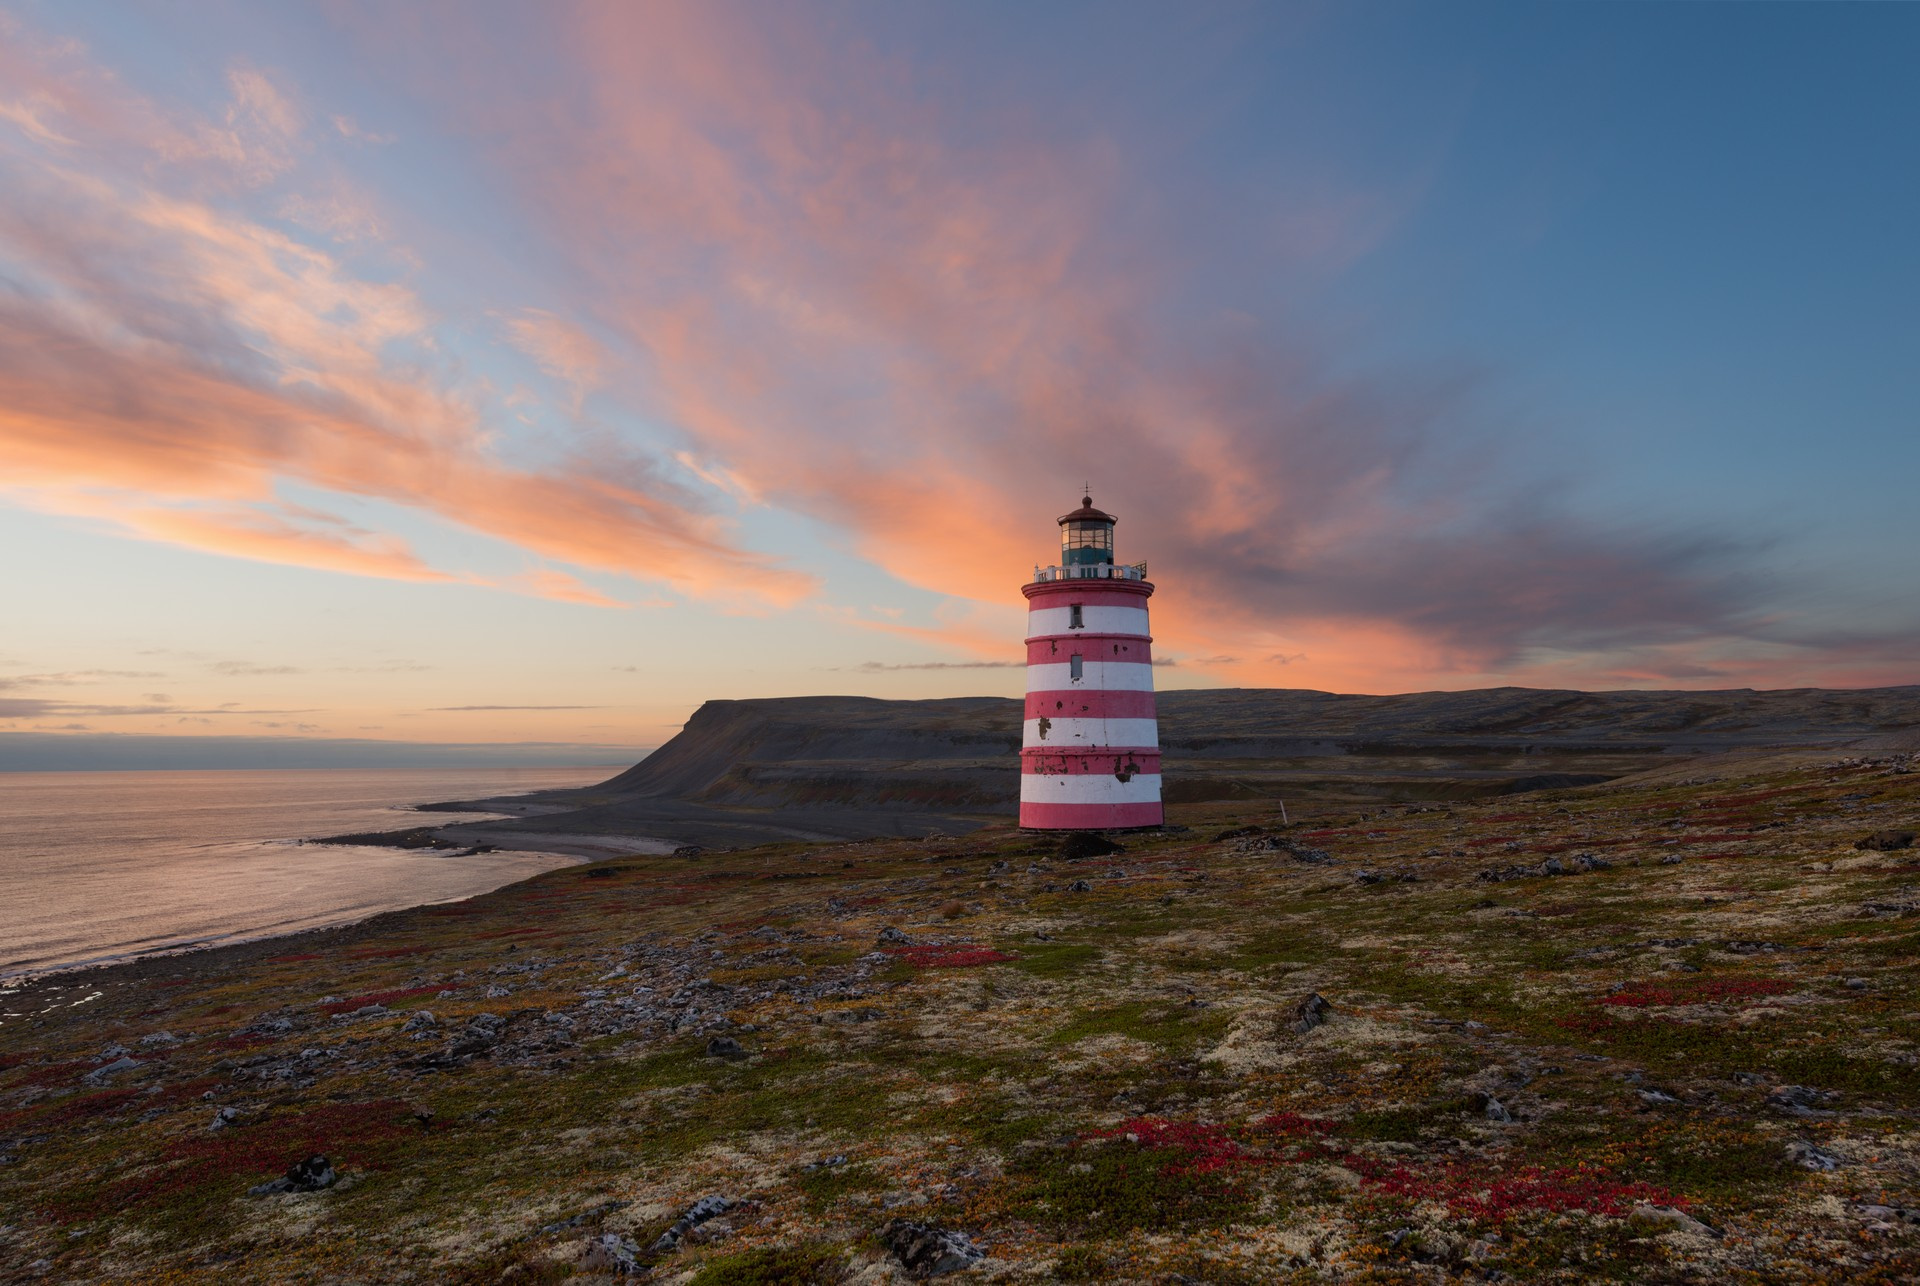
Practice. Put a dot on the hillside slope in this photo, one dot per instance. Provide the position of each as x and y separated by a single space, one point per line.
850 767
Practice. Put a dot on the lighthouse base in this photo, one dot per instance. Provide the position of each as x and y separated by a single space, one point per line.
1143 815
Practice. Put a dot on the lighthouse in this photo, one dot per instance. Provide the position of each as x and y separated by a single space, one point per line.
1090 754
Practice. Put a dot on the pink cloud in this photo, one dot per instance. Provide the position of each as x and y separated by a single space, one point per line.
166 360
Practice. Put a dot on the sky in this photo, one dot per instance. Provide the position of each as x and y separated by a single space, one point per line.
482 373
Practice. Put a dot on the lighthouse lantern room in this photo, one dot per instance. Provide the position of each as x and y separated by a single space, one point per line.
1090 754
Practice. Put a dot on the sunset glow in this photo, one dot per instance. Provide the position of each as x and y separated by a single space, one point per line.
459 372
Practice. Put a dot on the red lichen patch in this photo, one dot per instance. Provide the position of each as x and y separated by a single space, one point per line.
1291 1125
1470 1192
361 1135
394 953
55 1074
1491 840
508 933
352 1003
958 955
1707 991
1200 1148
67 1111
297 958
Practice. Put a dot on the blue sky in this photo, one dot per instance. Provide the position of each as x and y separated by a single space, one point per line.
605 359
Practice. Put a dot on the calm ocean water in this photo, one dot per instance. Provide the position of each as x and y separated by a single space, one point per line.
100 865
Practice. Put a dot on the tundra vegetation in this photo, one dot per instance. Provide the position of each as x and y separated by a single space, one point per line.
1663 1030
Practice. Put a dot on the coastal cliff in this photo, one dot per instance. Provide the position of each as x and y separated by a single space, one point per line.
835 768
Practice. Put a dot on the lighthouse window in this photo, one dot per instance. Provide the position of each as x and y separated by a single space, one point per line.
1074 620
1087 535
1074 667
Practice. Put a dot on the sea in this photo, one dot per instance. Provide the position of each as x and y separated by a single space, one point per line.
102 866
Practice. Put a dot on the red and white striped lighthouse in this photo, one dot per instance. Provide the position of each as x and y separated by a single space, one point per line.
1090 757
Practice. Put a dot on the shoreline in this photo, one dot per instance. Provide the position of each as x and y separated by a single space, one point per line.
582 854
340 934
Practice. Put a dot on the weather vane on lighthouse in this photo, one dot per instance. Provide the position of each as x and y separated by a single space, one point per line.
1090 753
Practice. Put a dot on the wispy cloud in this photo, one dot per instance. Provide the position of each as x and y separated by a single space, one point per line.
166 360
442 709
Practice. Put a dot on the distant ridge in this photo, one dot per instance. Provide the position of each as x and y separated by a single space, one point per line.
848 767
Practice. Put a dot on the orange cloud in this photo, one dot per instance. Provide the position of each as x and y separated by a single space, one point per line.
184 358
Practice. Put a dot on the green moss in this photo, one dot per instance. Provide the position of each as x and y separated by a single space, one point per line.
1109 1189
774 1266
1056 959
1174 1028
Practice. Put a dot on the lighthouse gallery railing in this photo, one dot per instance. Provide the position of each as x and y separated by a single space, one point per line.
1092 571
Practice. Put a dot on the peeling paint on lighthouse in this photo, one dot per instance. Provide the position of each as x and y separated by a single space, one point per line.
1090 756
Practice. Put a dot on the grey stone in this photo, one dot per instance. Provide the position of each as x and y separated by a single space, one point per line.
310 1175
725 1047
928 1250
101 1075
1809 1157
696 1214
1310 1013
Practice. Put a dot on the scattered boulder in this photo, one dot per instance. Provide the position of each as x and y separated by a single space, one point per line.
1809 1157
419 1020
1497 1111
891 936
1659 1219
223 1118
1079 886
689 850
696 1214
1084 844
611 1253
725 1047
928 1250
1887 841
160 1038
310 1175
106 1072
1310 1013
1800 1100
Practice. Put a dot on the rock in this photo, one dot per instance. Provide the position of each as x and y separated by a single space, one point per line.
689 850
1856 984
1084 844
160 1038
928 1250
825 1163
420 1019
223 1118
1310 1013
696 1214
891 936
725 1047
1658 1219
1887 841
1368 877
1497 1111
610 1253
1656 1098
1079 886
1672 859
101 1075
310 1175
1808 1157
1799 1100
708 1233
